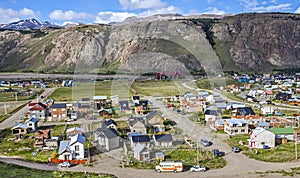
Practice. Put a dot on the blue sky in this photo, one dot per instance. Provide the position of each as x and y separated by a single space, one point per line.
105 11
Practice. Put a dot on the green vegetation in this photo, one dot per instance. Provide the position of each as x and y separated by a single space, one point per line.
25 147
209 83
19 171
281 153
291 172
90 89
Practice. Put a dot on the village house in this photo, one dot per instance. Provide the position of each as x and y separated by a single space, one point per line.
235 126
141 152
72 149
137 124
32 124
124 106
260 137
18 130
58 112
110 124
212 114
244 113
163 140
106 139
155 121
41 137
203 95
38 110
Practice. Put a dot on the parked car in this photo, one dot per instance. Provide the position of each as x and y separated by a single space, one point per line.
205 142
65 164
69 120
235 149
182 113
217 152
266 147
198 169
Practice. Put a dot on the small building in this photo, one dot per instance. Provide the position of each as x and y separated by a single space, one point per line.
18 130
124 105
163 140
260 137
72 149
106 139
282 135
58 112
137 124
141 152
211 115
38 110
41 137
32 124
235 126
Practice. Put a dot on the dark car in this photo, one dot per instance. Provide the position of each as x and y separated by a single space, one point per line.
217 152
205 142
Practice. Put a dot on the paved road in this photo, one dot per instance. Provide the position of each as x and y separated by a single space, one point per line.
9 122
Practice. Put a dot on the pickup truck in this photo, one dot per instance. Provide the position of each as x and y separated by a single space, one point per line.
217 152
198 169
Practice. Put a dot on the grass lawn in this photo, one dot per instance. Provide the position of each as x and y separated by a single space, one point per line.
281 153
19 171
206 83
159 88
90 89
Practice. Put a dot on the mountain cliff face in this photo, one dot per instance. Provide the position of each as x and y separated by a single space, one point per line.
256 42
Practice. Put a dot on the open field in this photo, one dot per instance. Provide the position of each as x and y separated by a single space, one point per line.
206 83
123 88
19 171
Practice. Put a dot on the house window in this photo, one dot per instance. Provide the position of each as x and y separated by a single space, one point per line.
77 148
243 130
77 154
54 109
30 124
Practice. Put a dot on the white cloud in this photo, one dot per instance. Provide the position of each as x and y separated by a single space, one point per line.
164 10
11 15
254 5
141 4
69 15
107 17
279 7
298 10
214 10
69 23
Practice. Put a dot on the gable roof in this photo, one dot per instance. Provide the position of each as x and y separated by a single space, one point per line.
109 122
163 137
257 131
124 105
140 138
213 112
77 138
151 115
238 122
75 129
19 125
59 105
282 131
107 132
32 120
133 120
138 148
37 106
64 146
245 111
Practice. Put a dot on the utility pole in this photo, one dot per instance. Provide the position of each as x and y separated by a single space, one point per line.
5 109
197 152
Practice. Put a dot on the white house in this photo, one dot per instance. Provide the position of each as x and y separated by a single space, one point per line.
32 124
260 137
141 152
267 110
72 149
235 126
163 140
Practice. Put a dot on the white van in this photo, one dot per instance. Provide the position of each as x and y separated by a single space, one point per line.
174 166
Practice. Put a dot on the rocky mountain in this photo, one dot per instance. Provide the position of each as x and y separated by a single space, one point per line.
244 42
28 24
